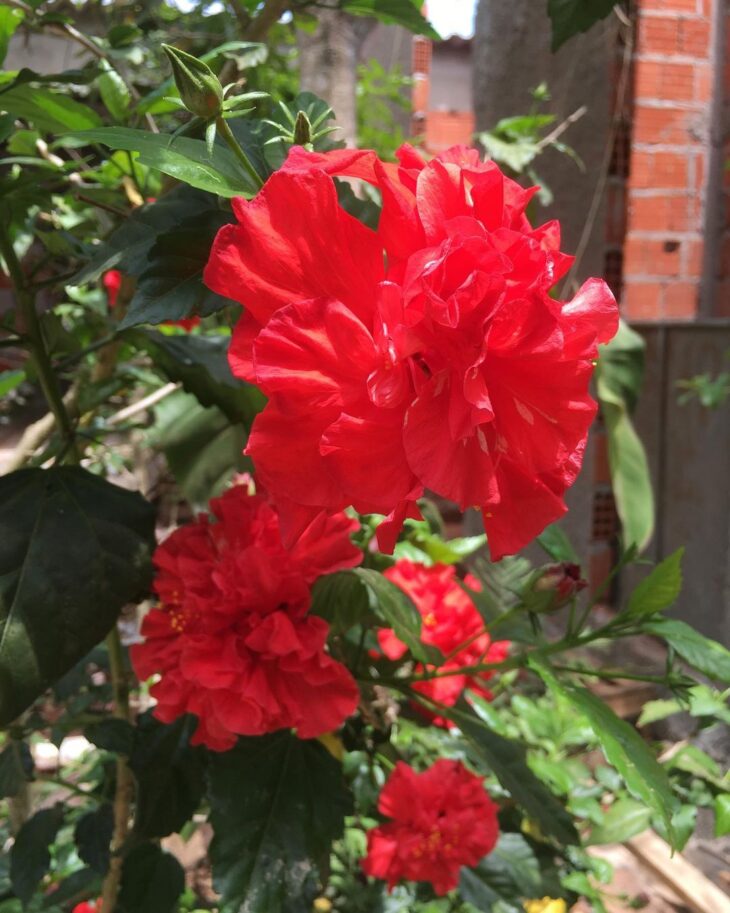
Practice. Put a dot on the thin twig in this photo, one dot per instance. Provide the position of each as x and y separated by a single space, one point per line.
561 128
124 790
142 404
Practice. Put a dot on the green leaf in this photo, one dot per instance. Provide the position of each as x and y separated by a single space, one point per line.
569 17
48 111
170 775
449 551
16 767
406 13
111 735
341 600
203 449
625 819
30 856
683 825
510 873
622 745
508 760
10 19
557 545
92 835
722 815
74 549
201 364
659 589
152 881
182 158
619 376
653 711
277 803
392 605
171 286
706 655
114 92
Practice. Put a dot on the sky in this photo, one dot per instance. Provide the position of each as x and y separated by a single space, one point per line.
452 17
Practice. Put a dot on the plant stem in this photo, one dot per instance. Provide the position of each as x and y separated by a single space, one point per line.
227 134
125 782
34 333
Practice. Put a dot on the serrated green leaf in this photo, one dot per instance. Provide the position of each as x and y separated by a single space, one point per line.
722 815
659 589
508 761
557 545
341 600
152 881
625 819
48 111
203 449
393 606
510 873
30 856
114 92
570 17
73 550
171 285
406 13
111 734
277 803
201 364
619 376
170 775
706 655
622 745
92 835
182 158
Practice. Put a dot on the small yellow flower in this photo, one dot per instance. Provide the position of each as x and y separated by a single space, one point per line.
546 905
322 905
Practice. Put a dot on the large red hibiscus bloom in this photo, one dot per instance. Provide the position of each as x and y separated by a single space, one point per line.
441 820
231 638
428 355
449 621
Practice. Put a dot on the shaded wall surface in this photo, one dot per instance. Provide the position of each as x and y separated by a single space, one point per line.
689 457
512 55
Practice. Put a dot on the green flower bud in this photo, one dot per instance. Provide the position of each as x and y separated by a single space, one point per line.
302 130
199 87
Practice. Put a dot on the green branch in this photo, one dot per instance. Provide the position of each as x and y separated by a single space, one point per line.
25 298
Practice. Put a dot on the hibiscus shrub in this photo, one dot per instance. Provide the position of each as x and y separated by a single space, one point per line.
302 676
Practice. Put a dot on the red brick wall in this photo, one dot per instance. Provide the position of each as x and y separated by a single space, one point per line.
672 85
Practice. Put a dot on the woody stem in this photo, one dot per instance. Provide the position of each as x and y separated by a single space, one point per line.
124 781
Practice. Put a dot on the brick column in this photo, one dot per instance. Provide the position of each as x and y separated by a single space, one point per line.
666 191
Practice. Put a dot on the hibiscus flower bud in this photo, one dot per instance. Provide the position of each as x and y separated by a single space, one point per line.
199 87
302 130
554 586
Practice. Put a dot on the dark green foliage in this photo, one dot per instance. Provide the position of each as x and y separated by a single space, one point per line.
73 550
277 802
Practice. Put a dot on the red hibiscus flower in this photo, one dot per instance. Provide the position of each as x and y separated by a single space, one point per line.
88 906
231 638
441 820
451 622
453 369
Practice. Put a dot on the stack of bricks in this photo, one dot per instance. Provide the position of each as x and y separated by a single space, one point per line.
666 190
